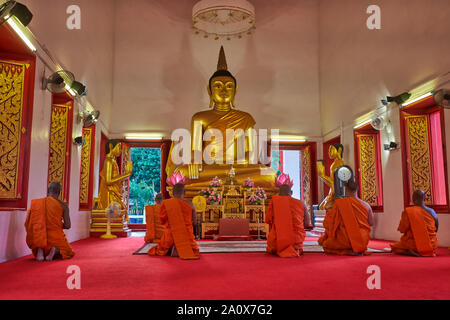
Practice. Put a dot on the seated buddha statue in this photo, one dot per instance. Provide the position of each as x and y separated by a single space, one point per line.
222 88
335 152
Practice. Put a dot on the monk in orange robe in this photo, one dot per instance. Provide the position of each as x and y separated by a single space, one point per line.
179 217
347 225
155 229
419 225
46 219
285 216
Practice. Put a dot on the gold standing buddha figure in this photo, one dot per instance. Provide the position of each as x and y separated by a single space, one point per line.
222 88
111 180
335 152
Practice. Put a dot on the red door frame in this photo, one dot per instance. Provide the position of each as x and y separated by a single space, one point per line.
88 205
12 48
368 129
164 156
64 99
302 146
424 106
327 161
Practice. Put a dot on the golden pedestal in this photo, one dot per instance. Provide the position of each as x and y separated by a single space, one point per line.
119 226
233 205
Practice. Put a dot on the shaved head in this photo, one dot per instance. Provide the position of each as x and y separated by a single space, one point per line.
351 187
285 190
418 197
178 191
54 189
159 198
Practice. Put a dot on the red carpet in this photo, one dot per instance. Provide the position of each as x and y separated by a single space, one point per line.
110 271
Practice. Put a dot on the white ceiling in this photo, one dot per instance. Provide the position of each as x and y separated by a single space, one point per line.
309 65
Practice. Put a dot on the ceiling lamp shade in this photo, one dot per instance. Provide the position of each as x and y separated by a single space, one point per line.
223 18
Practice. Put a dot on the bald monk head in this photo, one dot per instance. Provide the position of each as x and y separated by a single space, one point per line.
285 190
54 190
418 198
351 188
178 191
159 198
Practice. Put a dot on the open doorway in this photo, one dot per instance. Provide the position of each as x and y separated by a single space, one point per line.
289 162
145 183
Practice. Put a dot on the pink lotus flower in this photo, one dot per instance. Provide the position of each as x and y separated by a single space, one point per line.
283 179
176 178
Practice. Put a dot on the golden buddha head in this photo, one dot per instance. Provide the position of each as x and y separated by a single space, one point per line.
335 151
113 148
222 85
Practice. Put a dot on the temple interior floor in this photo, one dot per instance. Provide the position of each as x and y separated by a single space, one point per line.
109 270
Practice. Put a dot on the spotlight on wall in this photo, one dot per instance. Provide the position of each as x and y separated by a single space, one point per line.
79 88
391 146
15 9
57 82
401 98
79 141
442 98
88 117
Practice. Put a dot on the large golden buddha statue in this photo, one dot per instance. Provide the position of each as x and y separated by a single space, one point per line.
222 89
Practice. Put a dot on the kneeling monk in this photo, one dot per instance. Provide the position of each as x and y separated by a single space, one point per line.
155 229
179 217
46 219
419 225
347 224
285 217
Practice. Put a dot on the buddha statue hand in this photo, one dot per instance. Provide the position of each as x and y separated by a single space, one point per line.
194 170
320 169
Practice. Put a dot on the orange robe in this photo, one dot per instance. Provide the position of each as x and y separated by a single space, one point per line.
346 227
44 227
176 216
285 218
154 228
419 232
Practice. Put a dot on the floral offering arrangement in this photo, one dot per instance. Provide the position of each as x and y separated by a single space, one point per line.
213 198
258 196
215 183
248 184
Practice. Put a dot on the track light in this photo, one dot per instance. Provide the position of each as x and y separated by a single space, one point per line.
391 146
79 141
401 98
417 99
79 88
362 124
15 9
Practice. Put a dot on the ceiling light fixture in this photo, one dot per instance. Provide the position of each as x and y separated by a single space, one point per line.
223 18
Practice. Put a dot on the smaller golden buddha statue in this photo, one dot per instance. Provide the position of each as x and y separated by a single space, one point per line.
110 189
335 152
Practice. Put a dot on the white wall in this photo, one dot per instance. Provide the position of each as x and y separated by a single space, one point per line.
12 230
162 68
359 67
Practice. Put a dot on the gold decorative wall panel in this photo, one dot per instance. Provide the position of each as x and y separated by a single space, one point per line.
12 76
306 177
368 168
58 150
419 164
85 166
